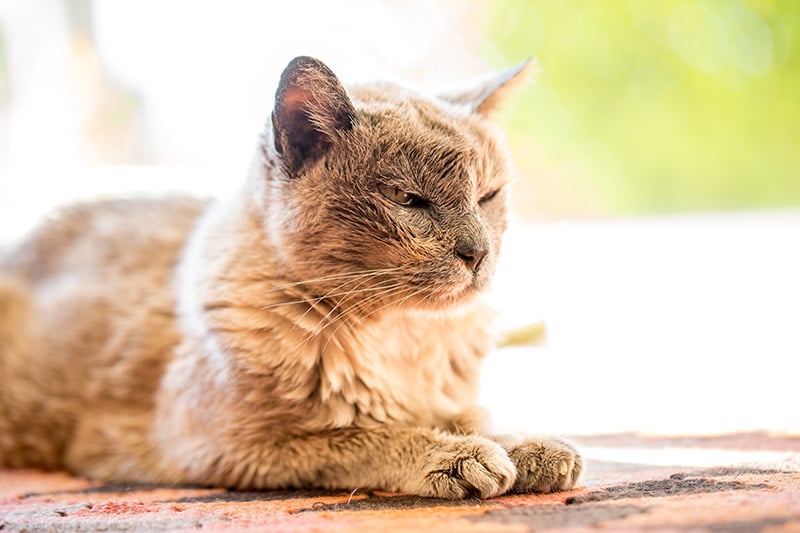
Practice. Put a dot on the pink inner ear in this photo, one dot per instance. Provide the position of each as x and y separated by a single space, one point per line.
295 99
299 138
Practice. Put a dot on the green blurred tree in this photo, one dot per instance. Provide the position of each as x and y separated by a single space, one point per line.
653 106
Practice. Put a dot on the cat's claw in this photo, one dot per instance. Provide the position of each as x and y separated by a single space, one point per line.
545 465
467 467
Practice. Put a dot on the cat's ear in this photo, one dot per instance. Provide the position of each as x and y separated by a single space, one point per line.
311 110
485 95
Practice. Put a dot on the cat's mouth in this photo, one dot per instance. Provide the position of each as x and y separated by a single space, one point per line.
459 292
469 291
436 286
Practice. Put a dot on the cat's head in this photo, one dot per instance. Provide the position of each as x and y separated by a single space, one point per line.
380 196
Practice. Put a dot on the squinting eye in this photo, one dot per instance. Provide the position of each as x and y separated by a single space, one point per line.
401 197
486 197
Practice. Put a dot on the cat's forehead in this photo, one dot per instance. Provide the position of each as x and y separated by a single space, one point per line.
397 107
408 128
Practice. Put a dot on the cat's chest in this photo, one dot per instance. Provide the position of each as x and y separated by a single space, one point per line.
406 369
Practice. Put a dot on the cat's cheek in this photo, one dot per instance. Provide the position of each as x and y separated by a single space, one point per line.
415 226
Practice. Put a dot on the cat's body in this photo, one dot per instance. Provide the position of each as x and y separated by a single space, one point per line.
321 328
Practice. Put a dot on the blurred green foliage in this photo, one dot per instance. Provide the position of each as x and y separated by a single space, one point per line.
653 106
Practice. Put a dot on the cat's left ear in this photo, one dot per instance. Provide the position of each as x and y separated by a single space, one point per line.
484 96
311 110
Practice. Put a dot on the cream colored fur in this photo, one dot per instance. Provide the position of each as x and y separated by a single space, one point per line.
311 331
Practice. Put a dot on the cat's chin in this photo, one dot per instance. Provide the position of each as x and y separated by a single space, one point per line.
461 297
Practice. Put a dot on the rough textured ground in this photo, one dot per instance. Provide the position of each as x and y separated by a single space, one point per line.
735 483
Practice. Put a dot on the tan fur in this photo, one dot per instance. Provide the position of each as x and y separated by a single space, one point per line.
307 332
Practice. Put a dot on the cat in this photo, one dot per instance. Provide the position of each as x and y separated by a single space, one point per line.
321 328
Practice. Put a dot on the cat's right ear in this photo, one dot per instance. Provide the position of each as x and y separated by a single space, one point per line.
311 110
485 96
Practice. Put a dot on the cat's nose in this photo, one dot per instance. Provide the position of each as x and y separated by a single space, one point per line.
471 253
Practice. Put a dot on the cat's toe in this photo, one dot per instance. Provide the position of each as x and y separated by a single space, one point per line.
545 465
469 466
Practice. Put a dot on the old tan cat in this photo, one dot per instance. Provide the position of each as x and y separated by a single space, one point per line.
321 328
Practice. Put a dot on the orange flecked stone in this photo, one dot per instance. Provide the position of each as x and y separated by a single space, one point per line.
613 496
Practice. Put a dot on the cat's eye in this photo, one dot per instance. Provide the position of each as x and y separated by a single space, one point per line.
401 197
487 197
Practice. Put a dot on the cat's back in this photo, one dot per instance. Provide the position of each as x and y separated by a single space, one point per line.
87 320
105 238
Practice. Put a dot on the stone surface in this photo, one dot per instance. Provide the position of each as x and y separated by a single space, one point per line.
740 497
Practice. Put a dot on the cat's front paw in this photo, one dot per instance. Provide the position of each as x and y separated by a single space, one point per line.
467 466
545 465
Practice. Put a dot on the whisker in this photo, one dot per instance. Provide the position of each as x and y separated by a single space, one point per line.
328 322
346 295
389 285
371 298
341 319
317 299
331 277
384 289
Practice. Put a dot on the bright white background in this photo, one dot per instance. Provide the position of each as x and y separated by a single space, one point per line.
666 325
